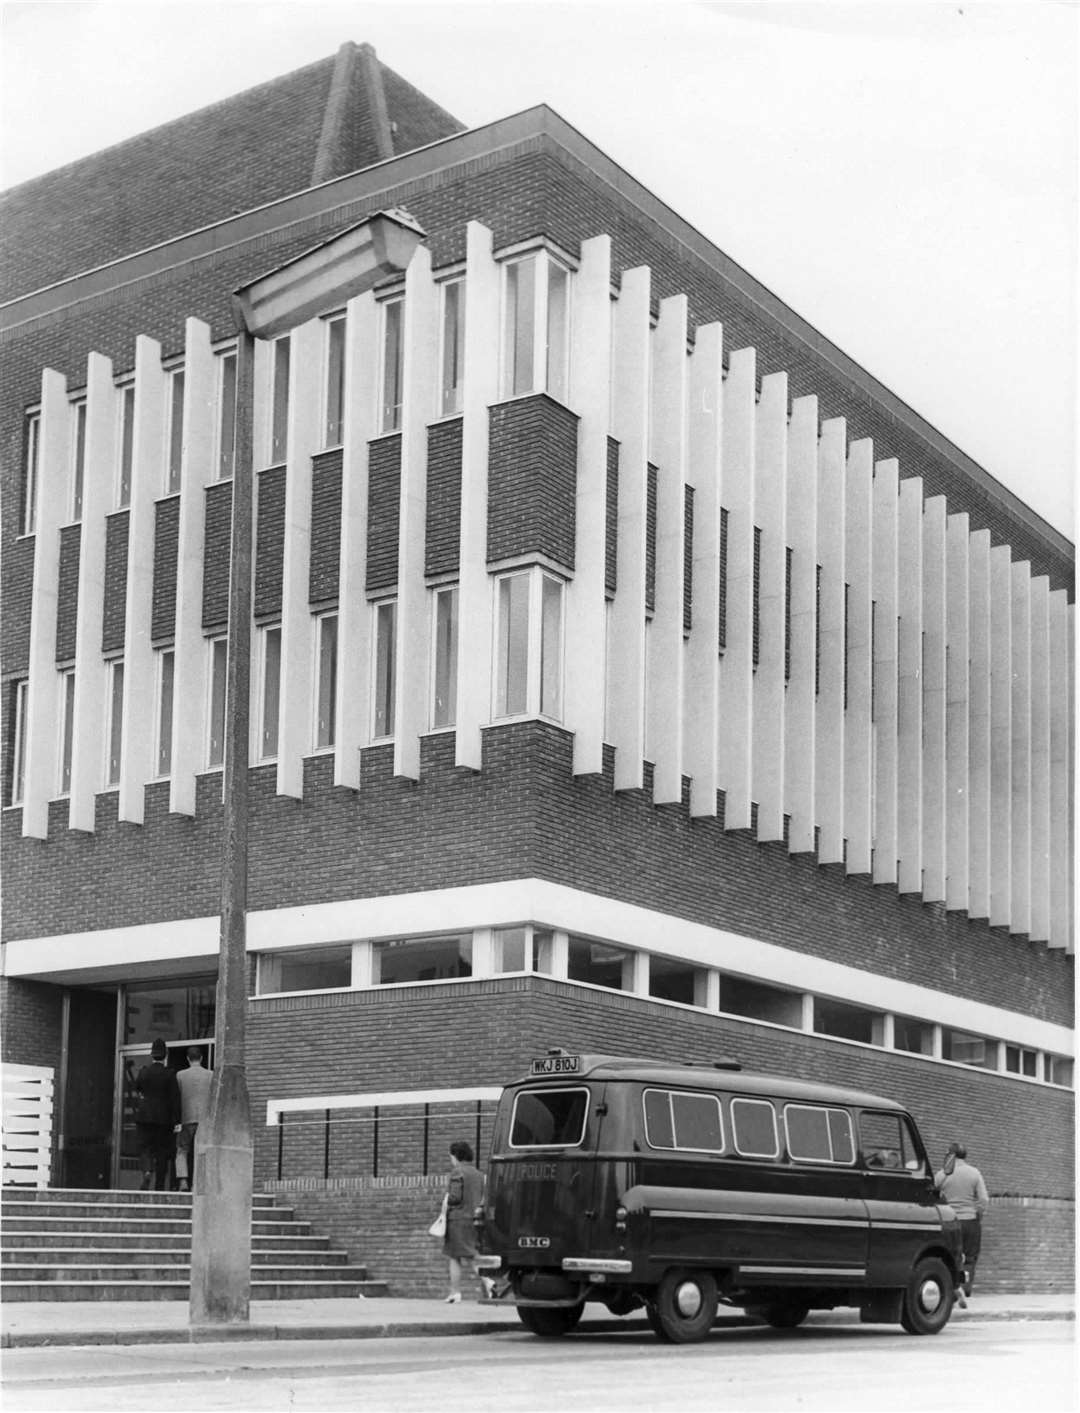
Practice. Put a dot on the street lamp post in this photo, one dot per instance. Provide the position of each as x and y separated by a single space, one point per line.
315 283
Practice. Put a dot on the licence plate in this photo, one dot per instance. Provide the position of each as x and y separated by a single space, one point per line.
556 1064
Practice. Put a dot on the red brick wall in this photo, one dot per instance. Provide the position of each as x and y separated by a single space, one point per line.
166 550
325 527
532 480
442 539
384 497
269 540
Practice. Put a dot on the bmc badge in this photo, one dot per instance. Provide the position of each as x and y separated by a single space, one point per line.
534 1243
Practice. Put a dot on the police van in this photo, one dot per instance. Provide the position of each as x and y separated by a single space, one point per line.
680 1187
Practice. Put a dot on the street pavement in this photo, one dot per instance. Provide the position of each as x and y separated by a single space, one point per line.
63 1322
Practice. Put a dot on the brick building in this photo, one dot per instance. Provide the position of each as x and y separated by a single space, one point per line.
631 671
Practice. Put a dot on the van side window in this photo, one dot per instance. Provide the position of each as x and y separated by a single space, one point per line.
549 1118
678 1120
753 1126
818 1135
886 1141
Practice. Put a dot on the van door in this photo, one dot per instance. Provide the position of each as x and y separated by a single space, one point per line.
899 1192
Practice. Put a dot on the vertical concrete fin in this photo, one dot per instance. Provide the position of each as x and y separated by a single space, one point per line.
737 663
829 791
909 710
800 746
884 680
979 724
935 691
1001 660
957 727
858 757
1020 841
1039 929
768 677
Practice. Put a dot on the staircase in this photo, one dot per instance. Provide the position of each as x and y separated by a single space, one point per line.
94 1245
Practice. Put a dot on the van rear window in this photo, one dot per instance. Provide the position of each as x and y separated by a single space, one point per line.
549 1118
675 1119
754 1125
819 1135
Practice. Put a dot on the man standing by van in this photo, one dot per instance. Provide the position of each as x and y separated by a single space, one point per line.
194 1085
961 1186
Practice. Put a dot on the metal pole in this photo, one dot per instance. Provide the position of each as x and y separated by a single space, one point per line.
221 1212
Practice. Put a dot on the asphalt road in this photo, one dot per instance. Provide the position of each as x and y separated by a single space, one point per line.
994 1366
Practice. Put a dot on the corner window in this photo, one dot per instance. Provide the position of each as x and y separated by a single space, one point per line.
269 647
166 668
753 1124
67 727
385 668
279 402
453 348
393 364
536 326
691 1122
78 459
127 445
116 721
175 431
19 699
444 670
218 649
549 1118
422 959
1058 1070
818 1135
226 414
512 949
530 630
326 635
31 455
334 396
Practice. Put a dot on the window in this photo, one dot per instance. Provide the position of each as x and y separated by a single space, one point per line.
127 444
334 421
1020 1061
847 1022
78 460
326 626
20 697
673 980
393 364
1058 1070
886 1141
453 347
422 959
385 643
312 969
175 449
226 414
166 669
753 1126
598 963
679 1120
529 669
537 296
67 727
549 1118
269 691
32 451
279 402
757 1001
965 1049
444 637
116 721
915 1036
513 949
817 1135
215 736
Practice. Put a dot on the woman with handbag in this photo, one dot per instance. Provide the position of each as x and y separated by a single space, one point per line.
464 1193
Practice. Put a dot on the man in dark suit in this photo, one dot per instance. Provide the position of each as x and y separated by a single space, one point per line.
156 1116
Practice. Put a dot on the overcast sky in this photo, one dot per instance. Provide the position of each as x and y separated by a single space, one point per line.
904 175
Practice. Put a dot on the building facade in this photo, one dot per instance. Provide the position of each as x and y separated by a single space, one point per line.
630 670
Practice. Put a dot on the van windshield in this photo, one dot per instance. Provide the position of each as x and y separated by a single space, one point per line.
549 1118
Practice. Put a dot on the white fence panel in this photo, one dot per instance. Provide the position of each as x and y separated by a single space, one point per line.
27 1124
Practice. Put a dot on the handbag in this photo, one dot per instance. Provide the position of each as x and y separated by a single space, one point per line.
438 1226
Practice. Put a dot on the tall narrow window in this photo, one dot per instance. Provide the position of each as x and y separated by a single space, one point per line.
513 679
67 727
127 444
551 603
175 449
536 326
215 736
166 671
78 460
530 628
116 721
325 680
444 688
226 419
335 381
18 734
393 364
279 402
270 691
520 325
558 326
385 635
453 347
30 473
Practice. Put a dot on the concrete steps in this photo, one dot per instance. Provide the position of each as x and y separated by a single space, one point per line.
67 1245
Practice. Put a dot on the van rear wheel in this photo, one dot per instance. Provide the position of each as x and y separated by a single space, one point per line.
928 1298
549 1322
683 1308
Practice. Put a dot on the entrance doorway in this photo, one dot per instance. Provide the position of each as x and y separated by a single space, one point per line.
89 1092
132 1059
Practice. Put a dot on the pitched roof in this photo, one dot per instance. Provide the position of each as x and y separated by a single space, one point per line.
334 116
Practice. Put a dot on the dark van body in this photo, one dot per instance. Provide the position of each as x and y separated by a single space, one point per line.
677 1187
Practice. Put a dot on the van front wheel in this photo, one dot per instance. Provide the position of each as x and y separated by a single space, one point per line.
928 1298
549 1322
684 1306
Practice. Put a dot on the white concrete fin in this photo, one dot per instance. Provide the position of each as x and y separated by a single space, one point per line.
590 397
147 484
958 650
198 471
800 754
1000 736
935 691
99 479
884 683
769 677
669 443
979 724
1060 769
351 711
737 662
1020 839
829 790
475 606
858 753
909 717
702 661
1039 929
630 422
419 376
1070 776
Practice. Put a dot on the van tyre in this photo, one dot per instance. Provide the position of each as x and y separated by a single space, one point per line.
550 1322
928 1298
684 1306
